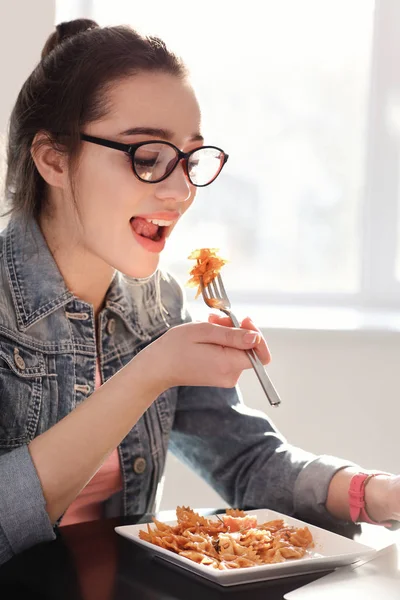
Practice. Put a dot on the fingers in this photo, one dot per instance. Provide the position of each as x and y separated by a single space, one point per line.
230 337
261 348
220 320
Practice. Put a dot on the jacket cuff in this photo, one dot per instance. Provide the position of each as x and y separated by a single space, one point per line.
311 488
23 517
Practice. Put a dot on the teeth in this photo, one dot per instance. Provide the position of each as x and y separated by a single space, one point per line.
159 222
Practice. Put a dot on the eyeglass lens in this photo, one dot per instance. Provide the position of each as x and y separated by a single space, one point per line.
153 161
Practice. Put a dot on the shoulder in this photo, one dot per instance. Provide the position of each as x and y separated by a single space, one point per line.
172 296
4 283
171 287
2 237
157 302
7 310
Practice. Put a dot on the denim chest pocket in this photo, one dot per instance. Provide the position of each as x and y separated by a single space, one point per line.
165 406
21 383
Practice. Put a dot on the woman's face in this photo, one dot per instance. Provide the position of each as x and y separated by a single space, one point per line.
114 206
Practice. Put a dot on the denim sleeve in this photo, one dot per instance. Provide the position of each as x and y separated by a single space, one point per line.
239 452
24 521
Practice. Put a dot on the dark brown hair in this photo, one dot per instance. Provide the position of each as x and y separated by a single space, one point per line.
66 90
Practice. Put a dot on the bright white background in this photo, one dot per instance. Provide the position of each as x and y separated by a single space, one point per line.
304 96
306 103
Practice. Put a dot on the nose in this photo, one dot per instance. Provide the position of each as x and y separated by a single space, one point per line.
176 186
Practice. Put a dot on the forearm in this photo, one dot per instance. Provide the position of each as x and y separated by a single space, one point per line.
376 495
68 455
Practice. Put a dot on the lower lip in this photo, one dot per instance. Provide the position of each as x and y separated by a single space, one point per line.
148 244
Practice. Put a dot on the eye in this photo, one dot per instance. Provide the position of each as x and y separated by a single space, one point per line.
145 162
147 157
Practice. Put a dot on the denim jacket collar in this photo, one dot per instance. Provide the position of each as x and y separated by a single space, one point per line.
39 289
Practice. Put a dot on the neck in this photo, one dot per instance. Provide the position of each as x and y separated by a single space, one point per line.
87 276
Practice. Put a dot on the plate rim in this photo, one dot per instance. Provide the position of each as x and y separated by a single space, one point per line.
280 569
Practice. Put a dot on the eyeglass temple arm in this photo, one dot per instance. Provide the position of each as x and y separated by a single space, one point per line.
106 143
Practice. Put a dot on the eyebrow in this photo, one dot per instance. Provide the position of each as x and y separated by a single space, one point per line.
158 132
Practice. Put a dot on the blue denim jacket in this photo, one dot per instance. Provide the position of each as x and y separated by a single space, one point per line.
48 349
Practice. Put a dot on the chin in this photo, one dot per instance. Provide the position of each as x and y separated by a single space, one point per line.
142 269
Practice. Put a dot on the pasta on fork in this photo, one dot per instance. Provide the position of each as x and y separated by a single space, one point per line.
208 265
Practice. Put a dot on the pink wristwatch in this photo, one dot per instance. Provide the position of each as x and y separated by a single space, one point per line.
357 499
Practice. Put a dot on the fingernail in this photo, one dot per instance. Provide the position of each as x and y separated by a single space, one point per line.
251 338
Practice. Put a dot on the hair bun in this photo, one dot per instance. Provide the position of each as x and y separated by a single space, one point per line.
66 30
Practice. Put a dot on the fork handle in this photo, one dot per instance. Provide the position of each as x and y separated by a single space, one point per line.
260 371
264 379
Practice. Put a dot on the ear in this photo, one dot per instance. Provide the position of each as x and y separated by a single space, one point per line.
50 162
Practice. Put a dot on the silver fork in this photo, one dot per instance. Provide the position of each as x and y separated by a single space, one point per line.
215 296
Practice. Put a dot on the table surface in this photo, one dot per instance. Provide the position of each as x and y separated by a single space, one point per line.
90 561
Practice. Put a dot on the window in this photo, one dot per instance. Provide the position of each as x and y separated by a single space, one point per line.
304 98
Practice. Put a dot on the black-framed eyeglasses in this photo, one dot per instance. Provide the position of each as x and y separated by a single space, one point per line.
153 162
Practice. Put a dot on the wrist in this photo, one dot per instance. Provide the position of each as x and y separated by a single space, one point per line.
377 498
370 503
147 368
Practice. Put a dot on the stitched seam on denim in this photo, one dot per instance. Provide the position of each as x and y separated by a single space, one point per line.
26 374
50 307
132 322
162 408
130 346
71 334
120 351
114 352
17 293
28 371
99 353
124 476
155 452
19 441
140 452
90 350
32 421
12 277
45 347
35 409
117 355
132 450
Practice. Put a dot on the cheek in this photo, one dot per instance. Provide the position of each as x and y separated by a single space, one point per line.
105 182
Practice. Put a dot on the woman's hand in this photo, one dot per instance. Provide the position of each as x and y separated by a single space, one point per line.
209 354
261 349
382 497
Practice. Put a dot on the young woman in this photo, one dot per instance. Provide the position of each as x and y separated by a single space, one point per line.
105 155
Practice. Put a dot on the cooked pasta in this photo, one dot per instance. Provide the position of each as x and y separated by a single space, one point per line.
235 540
208 265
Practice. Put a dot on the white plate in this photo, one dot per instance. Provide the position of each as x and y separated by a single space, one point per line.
330 551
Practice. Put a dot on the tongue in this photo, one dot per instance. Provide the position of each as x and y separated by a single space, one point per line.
144 228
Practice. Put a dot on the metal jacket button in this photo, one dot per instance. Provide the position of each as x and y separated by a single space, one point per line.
139 465
19 361
111 326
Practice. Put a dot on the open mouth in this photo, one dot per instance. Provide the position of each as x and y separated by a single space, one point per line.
152 229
